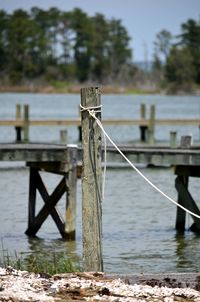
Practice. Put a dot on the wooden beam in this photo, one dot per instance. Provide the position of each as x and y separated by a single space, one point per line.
185 170
180 213
55 167
71 185
47 208
32 197
18 129
121 122
91 183
26 123
151 128
54 212
187 200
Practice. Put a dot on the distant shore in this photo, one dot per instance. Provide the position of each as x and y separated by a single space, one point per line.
108 89
63 88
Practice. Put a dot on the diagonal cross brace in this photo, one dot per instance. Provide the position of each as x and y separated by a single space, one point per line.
35 222
187 201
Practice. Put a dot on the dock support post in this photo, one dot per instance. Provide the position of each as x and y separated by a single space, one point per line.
18 129
181 214
26 123
63 136
79 128
50 201
79 134
151 130
71 181
143 128
32 196
185 199
91 182
173 139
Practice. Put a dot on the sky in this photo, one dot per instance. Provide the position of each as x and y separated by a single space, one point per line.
143 19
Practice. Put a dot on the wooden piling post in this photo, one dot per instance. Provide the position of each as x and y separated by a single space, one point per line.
63 136
71 181
143 128
180 213
186 141
18 129
173 139
151 130
91 183
79 128
184 197
184 180
26 123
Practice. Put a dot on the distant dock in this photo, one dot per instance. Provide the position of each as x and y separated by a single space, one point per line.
146 125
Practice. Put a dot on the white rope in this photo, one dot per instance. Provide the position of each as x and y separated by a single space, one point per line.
92 109
92 113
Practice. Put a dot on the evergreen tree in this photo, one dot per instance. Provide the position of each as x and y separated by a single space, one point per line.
179 68
190 39
3 40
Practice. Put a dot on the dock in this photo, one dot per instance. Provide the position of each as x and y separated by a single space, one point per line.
50 158
147 125
85 161
67 161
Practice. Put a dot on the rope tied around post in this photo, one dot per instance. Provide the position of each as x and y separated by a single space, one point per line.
92 112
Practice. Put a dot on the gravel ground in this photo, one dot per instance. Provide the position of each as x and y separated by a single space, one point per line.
21 286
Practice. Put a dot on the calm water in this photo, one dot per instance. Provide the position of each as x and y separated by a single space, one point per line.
138 223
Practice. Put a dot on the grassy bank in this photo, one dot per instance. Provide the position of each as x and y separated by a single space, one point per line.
48 263
59 87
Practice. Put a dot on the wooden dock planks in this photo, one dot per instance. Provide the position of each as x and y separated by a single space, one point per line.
155 155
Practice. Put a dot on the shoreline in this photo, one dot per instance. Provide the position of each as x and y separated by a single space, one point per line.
21 286
75 89
105 89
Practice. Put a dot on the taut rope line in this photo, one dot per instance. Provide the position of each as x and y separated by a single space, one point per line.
92 112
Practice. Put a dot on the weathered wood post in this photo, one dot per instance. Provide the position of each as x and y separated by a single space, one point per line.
79 129
26 123
186 141
63 136
18 129
173 139
184 197
180 213
151 130
143 128
71 184
91 182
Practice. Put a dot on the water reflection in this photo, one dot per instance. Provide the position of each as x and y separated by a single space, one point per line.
52 256
59 246
187 251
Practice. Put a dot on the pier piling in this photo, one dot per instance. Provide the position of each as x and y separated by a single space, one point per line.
91 182
18 129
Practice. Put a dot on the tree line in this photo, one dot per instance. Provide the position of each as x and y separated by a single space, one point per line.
178 58
48 45
62 45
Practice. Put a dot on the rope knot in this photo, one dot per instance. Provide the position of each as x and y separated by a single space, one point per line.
91 110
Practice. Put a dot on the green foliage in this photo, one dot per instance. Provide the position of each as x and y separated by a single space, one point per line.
162 44
182 68
61 45
190 39
179 66
50 263
56 46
